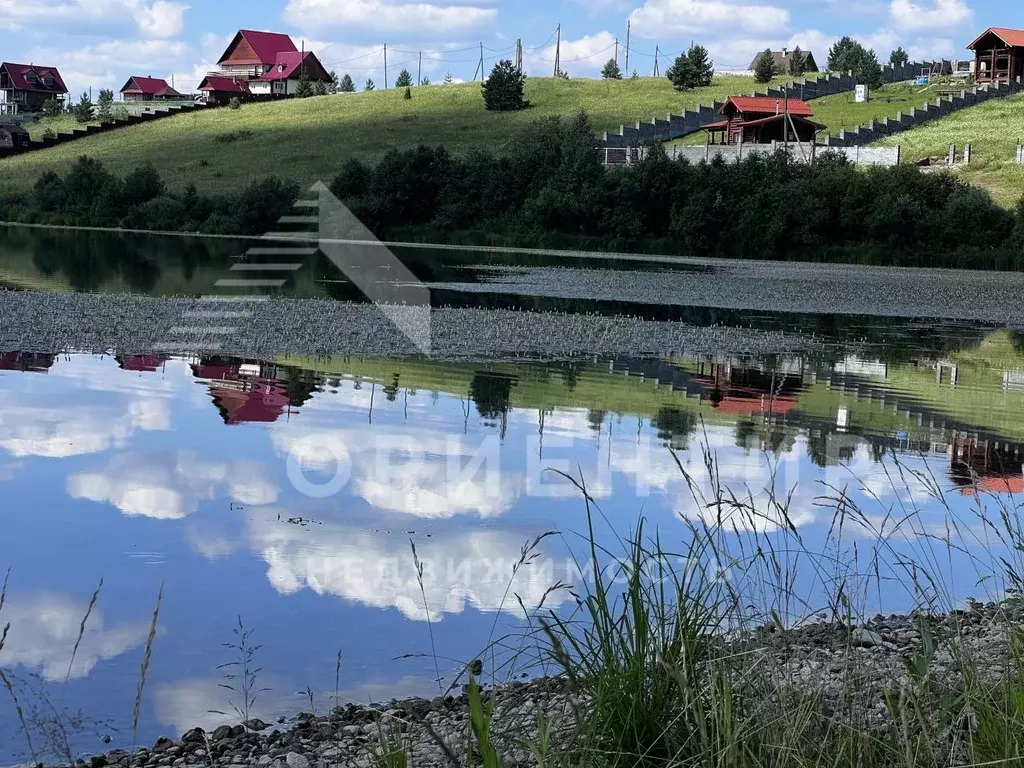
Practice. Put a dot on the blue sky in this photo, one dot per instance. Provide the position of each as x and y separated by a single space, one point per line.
99 43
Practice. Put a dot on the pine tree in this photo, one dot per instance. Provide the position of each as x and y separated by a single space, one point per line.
425 81
369 85
448 79
797 63
899 57
503 89
635 75
611 70
764 67
83 110
345 85
105 105
305 89
404 79
52 108
320 89
701 65
332 87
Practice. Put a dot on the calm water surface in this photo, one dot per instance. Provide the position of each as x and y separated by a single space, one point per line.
287 492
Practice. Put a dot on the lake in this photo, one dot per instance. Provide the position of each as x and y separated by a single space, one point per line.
290 476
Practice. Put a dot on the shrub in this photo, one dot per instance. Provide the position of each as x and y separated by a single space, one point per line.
232 136
52 108
142 185
235 103
408 93
262 203
503 89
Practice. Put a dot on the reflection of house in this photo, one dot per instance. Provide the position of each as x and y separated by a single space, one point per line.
149 89
141 363
250 392
29 362
762 120
26 87
999 55
747 392
985 466
784 58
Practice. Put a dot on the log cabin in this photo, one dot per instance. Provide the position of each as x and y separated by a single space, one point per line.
762 120
999 55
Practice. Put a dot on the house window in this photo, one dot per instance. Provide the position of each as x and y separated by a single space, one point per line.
279 86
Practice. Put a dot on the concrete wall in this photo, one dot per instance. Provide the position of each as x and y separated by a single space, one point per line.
904 121
675 126
736 152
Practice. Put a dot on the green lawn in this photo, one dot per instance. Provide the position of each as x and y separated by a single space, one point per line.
308 139
993 130
62 124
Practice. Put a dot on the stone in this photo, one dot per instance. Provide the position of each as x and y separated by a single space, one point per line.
221 733
195 736
255 724
265 761
352 730
865 638
295 760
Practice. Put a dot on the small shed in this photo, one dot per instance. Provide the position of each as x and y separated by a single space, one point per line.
999 55
220 89
13 139
149 89
762 120
783 59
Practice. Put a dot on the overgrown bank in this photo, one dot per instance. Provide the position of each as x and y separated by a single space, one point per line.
553 192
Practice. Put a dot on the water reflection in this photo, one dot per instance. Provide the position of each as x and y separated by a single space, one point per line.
150 470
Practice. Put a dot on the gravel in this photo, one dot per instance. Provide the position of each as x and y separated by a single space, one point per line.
272 327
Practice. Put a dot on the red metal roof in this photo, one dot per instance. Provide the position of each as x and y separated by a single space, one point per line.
224 84
266 45
148 86
1012 37
19 74
768 105
1013 484
288 62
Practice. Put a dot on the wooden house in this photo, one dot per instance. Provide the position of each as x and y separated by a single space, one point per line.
251 55
782 61
149 89
998 54
221 89
762 120
13 139
26 87
284 77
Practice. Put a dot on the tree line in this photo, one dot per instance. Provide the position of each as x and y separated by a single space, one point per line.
548 188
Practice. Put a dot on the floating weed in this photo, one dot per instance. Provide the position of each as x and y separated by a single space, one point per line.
144 669
81 628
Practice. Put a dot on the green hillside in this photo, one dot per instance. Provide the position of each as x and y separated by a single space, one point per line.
307 140
993 130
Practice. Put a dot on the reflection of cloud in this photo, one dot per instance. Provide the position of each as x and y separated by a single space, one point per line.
43 633
414 472
169 486
471 567
10 471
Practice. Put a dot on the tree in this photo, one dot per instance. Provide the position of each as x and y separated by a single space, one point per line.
611 70
692 69
425 81
899 57
369 85
52 108
503 89
345 85
320 89
448 79
305 89
332 87
797 63
848 55
635 75
105 105
764 67
404 79
562 74
83 110
408 93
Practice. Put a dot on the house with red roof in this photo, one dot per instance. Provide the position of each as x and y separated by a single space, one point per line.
149 89
261 64
27 87
762 120
999 55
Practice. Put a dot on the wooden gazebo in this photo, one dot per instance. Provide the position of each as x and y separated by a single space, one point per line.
762 120
999 55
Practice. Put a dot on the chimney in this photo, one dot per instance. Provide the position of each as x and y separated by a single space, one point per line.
776 106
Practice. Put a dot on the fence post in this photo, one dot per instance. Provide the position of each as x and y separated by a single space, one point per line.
967 154
951 157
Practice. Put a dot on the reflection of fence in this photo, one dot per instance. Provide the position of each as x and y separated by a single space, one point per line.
692 120
736 152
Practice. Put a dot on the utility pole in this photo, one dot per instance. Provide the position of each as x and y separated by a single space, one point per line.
419 70
616 51
481 62
519 55
558 51
385 65
627 48
657 51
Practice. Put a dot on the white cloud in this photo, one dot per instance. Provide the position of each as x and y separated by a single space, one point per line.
106 63
44 628
315 15
929 14
158 18
169 486
661 18
587 54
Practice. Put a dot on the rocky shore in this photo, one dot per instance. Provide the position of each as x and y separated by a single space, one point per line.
841 665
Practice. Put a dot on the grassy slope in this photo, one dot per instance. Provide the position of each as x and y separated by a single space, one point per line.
992 128
63 124
307 140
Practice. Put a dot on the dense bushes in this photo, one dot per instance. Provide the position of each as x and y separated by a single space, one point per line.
90 195
549 189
